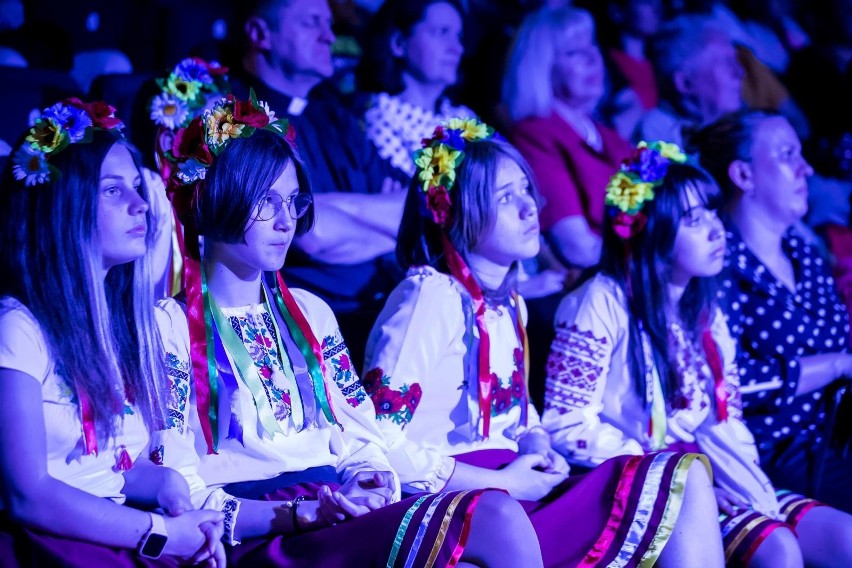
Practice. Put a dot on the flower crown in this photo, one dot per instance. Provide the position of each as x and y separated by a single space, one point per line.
633 184
185 91
71 121
438 159
206 136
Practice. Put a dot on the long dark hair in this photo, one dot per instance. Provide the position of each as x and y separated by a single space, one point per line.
472 204
642 268
379 71
100 334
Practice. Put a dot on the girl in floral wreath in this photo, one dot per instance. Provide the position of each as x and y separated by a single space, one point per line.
448 360
79 358
265 403
643 361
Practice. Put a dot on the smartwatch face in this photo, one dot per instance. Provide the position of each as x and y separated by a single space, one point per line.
154 545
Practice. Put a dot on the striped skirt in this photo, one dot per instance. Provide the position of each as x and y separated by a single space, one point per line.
743 533
620 514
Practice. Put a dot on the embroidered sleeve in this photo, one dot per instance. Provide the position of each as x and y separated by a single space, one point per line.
589 323
339 363
409 341
361 446
174 446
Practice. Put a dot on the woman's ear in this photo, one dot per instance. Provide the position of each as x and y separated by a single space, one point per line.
397 44
740 174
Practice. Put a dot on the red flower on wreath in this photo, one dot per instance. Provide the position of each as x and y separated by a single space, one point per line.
190 142
102 114
245 112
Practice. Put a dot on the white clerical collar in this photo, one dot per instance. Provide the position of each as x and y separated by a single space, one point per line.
297 106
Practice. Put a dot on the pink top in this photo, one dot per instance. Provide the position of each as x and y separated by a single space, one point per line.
639 74
570 175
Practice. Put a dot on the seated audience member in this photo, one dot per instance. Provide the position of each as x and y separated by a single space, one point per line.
79 370
265 402
554 81
699 79
448 362
782 304
348 258
643 361
412 57
632 85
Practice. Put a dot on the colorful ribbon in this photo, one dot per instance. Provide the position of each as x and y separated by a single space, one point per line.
462 273
307 343
714 361
87 418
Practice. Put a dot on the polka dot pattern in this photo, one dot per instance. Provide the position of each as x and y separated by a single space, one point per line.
396 127
774 328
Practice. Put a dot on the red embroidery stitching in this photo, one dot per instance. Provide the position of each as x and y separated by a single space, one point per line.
573 368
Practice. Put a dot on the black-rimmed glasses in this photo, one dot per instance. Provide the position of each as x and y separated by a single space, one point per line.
271 204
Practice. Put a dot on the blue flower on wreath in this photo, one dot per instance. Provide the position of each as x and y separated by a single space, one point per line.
30 165
190 70
74 120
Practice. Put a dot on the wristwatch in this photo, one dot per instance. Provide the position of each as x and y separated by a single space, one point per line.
155 539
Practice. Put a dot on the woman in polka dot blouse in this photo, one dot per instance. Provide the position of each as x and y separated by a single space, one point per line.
783 306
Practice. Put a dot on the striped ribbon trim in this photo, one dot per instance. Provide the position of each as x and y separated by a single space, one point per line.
673 505
445 527
403 528
421 530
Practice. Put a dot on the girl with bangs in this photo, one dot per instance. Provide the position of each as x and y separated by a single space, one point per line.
448 360
643 360
79 358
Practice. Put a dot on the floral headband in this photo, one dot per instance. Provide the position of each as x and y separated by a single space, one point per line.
185 92
197 145
634 183
71 121
438 159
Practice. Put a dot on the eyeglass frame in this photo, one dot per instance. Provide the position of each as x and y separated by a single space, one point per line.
279 202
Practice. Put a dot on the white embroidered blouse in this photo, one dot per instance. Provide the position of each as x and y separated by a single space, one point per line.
593 411
419 378
357 446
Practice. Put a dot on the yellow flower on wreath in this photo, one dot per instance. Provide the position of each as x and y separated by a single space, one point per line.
628 194
471 129
221 126
184 90
46 135
435 163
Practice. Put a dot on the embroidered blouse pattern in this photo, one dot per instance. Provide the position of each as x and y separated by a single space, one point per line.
336 354
178 373
257 332
774 328
397 406
575 363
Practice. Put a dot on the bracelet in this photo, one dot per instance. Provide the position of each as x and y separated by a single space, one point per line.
294 519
